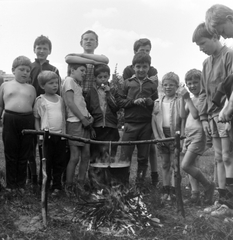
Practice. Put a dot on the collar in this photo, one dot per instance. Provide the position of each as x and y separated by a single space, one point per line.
37 60
135 78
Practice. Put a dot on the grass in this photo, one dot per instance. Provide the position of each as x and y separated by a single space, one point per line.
21 216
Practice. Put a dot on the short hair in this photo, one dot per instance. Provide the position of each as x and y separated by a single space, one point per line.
90 31
216 15
100 68
21 61
74 66
141 57
201 32
42 40
141 42
192 74
46 76
171 76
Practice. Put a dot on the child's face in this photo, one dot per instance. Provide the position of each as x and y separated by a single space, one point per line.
42 51
169 87
89 42
206 45
22 73
102 78
51 86
226 29
79 73
145 49
194 86
141 70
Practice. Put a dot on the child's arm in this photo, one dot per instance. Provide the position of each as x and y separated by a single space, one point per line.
183 109
86 58
122 97
70 103
189 103
37 124
1 99
226 113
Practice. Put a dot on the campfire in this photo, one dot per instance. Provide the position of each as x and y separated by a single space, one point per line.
117 210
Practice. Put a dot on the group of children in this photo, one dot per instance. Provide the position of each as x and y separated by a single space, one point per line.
85 105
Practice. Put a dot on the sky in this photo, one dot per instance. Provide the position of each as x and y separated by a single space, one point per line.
169 24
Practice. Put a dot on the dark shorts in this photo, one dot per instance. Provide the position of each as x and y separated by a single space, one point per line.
166 147
76 129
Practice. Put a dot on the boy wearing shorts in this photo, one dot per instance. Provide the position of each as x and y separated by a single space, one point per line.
195 139
78 124
215 69
166 120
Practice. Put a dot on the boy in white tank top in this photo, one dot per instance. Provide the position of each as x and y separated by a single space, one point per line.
49 112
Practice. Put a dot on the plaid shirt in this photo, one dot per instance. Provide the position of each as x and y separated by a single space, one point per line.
88 83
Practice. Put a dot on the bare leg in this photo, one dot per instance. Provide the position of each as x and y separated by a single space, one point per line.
227 156
153 158
166 173
189 166
74 159
220 164
84 163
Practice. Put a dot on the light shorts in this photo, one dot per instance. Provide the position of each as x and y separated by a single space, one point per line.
195 141
217 128
76 129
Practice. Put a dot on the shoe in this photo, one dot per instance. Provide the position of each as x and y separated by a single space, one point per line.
69 190
194 199
165 197
21 191
222 211
213 207
228 220
81 188
165 193
209 193
56 193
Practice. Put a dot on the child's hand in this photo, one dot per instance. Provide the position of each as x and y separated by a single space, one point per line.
186 96
225 115
85 122
93 133
183 92
139 101
228 126
206 127
106 88
90 119
148 101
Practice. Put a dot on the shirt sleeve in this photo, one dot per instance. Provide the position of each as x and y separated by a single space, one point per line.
68 85
36 110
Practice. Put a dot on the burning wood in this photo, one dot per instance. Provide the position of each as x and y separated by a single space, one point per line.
115 209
